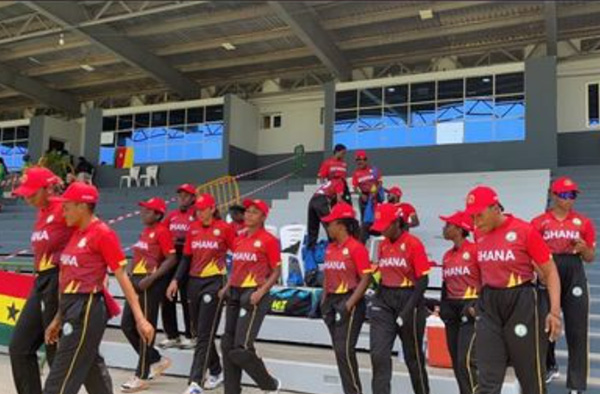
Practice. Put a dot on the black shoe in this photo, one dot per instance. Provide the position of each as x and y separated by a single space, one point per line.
552 374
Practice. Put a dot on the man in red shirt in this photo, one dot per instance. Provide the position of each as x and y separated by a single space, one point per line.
49 238
319 206
256 268
336 168
399 307
153 259
366 181
395 197
572 239
178 222
509 326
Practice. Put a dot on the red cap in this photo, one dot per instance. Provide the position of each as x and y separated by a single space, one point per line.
259 204
360 154
385 215
205 201
480 198
188 188
563 185
155 203
339 211
79 192
34 179
459 219
396 191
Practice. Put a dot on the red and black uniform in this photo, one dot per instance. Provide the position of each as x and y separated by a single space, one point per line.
149 252
367 181
178 222
334 168
510 327
461 287
50 236
255 256
204 266
320 205
83 269
343 268
398 309
560 235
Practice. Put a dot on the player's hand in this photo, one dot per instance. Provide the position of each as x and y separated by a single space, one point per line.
172 290
145 283
223 293
52 332
146 330
580 246
256 297
553 327
349 306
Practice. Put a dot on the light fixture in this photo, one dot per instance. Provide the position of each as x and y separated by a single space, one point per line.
87 67
61 39
486 80
426 14
228 46
391 90
34 60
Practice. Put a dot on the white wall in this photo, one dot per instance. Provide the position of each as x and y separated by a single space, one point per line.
301 112
243 125
68 131
573 77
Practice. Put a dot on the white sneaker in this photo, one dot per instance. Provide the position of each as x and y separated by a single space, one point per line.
159 367
213 381
169 343
193 388
276 391
134 385
187 343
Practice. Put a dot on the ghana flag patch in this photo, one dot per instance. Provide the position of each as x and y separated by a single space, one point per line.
14 289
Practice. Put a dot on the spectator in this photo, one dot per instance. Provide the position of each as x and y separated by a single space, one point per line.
84 170
236 213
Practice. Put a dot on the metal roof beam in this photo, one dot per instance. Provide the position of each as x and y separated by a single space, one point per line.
551 28
37 91
73 15
308 29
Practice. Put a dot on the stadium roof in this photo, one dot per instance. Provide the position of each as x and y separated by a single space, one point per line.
56 54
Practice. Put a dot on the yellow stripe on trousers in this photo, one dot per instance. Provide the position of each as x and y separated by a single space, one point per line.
86 321
419 361
142 343
469 371
538 362
354 380
211 338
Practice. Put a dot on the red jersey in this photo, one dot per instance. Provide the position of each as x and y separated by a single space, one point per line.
49 238
178 223
506 254
331 188
344 265
254 258
86 257
560 235
154 245
403 262
333 168
461 273
366 179
208 248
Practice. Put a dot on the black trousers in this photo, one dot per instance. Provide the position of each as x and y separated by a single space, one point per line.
318 207
575 302
344 329
77 361
205 309
169 308
149 301
460 336
510 327
364 227
549 348
28 335
386 325
242 324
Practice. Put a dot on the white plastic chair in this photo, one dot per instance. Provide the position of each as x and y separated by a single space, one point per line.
150 176
290 235
134 175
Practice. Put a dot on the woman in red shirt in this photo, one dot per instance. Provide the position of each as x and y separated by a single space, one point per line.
255 269
509 326
572 239
347 274
460 289
203 268
92 249
398 308
50 236
153 259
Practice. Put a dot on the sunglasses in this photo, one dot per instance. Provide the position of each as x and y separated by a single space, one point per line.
567 195
361 159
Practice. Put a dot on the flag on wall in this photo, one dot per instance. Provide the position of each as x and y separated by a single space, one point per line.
14 289
124 157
